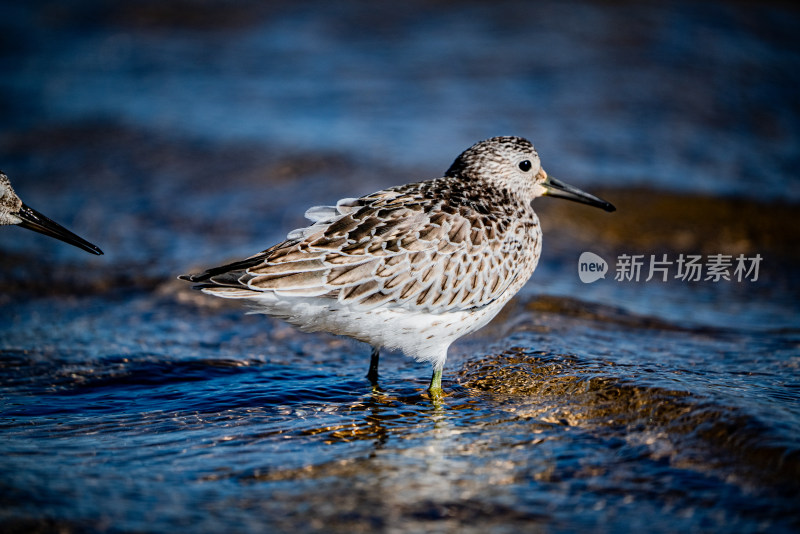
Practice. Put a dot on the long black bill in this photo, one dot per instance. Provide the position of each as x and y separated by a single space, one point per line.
33 220
558 189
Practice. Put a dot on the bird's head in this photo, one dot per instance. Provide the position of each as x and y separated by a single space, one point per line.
512 163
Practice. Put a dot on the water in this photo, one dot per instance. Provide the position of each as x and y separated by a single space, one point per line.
179 139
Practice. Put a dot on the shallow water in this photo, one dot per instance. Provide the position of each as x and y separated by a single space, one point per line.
177 142
195 416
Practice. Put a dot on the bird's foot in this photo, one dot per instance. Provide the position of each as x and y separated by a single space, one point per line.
435 389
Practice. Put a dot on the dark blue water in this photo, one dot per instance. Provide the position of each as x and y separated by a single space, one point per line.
180 136
696 96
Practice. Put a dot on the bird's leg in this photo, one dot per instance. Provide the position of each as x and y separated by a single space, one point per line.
435 389
372 374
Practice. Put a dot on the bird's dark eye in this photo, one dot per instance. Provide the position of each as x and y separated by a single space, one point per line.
525 165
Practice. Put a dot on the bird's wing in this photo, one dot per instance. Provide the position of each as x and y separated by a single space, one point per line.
390 248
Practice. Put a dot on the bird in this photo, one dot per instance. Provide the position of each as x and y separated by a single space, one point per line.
412 267
14 211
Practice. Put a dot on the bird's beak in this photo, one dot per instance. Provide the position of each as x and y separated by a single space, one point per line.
33 220
558 189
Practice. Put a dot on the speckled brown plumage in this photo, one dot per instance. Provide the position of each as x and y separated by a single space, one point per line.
434 259
406 246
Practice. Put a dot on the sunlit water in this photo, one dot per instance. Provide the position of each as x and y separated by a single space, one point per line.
130 403
146 414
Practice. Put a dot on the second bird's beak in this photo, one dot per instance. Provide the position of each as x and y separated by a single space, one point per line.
558 189
33 220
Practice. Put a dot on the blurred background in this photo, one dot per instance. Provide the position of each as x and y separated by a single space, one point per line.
181 135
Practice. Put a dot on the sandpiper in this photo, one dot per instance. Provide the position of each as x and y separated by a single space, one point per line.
412 267
14 211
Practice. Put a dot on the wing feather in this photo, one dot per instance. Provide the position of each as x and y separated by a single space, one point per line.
393 247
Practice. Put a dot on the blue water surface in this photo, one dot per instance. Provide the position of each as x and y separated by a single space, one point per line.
180 136
686 96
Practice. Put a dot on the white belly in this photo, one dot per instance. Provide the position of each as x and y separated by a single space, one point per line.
421 335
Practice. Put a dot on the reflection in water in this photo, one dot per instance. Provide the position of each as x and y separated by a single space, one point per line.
526 435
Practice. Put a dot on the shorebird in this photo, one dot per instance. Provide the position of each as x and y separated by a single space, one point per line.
413 267
14 211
